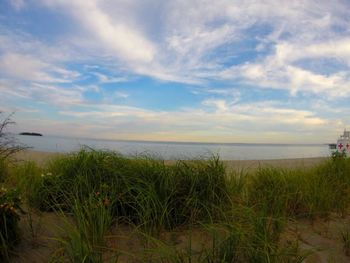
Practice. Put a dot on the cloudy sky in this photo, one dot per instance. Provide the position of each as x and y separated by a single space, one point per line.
177 70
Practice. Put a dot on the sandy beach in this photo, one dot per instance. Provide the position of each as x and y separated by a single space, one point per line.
36 156
248 165
281 163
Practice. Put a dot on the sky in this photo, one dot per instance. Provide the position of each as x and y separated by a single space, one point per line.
180 70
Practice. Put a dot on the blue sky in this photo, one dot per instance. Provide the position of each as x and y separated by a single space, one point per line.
195 70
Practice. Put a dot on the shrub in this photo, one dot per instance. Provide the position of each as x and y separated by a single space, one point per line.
339 155
9 217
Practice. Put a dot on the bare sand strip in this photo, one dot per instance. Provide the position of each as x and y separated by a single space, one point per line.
36 156
248 165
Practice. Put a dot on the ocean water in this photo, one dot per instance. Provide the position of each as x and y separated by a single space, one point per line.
179 150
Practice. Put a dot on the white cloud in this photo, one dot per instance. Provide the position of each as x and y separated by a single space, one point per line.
23 58
23 67
284 69
26 67
107 79
120 94
192 41
46 93
333 48
54 95
19 42
220 105
206 123
261 43
116 36
17 4
13 89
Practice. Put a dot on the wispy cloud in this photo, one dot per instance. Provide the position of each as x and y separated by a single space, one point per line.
107 79
215 117
17 4
197 47
239 66
115 35
26 67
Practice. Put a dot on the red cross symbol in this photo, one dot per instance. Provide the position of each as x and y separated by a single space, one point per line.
340 145
347 146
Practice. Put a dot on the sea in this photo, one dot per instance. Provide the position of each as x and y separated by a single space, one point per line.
178 150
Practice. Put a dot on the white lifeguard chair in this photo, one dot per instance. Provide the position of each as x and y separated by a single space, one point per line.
343 143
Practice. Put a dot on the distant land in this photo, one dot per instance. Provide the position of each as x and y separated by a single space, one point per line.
31 133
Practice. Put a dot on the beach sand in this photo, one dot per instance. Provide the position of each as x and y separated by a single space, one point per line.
250 165
36 156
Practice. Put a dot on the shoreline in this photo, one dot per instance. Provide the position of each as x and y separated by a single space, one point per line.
41 157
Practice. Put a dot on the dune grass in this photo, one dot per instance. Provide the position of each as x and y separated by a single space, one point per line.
243 216
142 191
85 229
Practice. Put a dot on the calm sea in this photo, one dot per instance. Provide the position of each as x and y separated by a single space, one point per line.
180 150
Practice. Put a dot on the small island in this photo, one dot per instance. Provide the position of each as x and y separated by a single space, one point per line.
31 133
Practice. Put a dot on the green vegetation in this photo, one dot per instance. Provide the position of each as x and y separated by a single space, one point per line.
9 216
3 169
345 237
184 211
85 237
143 191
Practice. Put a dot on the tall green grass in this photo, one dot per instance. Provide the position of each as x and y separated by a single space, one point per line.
3 169
142 191
313 192
244 214
85 229
275 191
